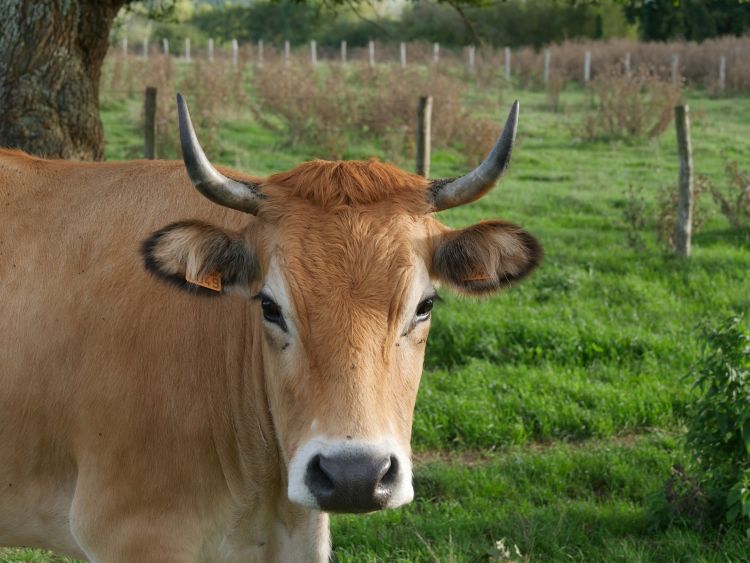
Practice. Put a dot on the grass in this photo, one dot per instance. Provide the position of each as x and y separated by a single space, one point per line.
549 414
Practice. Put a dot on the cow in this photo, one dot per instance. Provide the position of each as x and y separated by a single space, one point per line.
204 375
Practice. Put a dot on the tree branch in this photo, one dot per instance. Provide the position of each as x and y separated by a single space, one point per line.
457 6
352 4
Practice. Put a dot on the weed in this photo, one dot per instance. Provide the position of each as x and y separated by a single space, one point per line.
734 202
716 485
634 217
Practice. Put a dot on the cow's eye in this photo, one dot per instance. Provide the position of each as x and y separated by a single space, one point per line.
272 312
424 309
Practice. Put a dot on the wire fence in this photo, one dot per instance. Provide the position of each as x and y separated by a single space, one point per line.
719 65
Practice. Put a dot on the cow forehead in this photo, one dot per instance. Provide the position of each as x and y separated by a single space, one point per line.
351 255
349 272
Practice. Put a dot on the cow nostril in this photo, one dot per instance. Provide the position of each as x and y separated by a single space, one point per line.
318 477
390 476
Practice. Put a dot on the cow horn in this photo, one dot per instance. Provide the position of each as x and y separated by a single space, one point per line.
209 181
452 193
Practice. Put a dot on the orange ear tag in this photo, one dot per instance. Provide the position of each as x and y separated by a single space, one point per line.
211 281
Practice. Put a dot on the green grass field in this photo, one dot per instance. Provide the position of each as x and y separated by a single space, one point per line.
548 415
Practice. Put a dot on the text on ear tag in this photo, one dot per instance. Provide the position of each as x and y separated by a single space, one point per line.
211 281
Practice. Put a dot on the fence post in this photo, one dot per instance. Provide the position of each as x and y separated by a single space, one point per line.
470 60
124 46
587 66
260 52
314 52
546 65
187 49
165 46
287 49
235 50
145 47
149 131
210 49
675 67
627 64
371 52
436 53
507 64
424 119
722 72
403 54
343 52
683 226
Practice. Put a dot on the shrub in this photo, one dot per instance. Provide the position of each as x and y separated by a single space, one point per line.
639 105
715 486
718 437
634 217
734 202
336 103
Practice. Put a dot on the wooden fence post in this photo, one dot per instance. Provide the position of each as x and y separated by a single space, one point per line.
343 52
403 54
722 72
675 68
683 226
287 49
187 49
371 52
424 119
436 53
470 61
627 64
149 113
507 63
587 66
235 50
314 52
260 52
145 47
546 65
165 46
210 49
124 46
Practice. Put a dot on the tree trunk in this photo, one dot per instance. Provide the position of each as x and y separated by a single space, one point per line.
51 53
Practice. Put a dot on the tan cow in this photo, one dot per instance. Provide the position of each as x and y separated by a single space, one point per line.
147 421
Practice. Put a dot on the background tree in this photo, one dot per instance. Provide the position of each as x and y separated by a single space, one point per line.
51 52
694 20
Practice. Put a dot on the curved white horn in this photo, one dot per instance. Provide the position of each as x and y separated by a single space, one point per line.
209 181
452 193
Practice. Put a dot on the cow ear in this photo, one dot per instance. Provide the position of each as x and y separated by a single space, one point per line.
485 257
215 261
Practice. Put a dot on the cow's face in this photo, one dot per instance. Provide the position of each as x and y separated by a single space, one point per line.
346 305
341 262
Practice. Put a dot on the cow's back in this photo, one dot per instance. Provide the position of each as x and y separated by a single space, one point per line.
103 369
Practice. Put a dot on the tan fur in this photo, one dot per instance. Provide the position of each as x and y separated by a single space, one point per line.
139 422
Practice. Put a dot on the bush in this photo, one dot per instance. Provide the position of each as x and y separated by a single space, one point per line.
716 484
734 202
335 104
634 217
639 105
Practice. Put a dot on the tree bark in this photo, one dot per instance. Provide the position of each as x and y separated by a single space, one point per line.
51 53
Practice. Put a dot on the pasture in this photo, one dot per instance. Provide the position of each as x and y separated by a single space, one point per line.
549 415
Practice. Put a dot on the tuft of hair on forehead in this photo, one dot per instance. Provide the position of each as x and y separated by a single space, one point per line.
350 183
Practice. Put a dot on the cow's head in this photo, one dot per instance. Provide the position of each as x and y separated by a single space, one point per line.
341 260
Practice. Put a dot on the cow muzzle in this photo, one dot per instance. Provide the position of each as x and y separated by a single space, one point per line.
348 476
